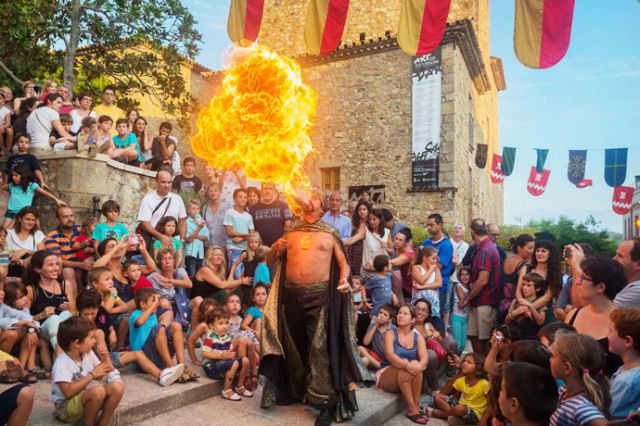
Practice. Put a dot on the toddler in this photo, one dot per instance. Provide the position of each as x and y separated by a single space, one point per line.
83 244
460 315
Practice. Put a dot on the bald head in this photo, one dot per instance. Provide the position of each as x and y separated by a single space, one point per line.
494 232
335 202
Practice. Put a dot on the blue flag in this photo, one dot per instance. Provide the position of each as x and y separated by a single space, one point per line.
542 158
577 164
615 166
508 160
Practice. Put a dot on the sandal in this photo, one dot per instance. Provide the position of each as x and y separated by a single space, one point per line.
418 418
192 374
234 396
244 392
29 378
40 373
184 378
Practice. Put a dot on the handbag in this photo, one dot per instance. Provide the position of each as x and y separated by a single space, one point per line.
183 310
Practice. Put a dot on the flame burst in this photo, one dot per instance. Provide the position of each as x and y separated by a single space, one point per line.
259 122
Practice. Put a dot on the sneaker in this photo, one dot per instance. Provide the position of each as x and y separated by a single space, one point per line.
170 375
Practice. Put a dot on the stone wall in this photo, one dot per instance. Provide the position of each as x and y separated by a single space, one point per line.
76 179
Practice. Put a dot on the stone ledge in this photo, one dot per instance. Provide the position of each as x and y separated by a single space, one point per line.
59 155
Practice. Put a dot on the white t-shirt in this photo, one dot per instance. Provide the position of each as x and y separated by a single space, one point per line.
31 243
241 222
150 202
66 370
4 111
39 126
77 120
374 245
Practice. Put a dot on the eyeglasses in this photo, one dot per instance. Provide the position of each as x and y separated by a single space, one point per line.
422 310
584 278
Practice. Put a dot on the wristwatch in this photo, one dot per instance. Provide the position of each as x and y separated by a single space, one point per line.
31 330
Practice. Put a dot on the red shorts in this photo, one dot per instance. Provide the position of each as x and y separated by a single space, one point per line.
374 355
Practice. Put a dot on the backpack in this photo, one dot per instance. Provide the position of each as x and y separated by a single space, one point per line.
183 311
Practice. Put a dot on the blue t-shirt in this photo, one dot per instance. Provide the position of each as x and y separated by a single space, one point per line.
103 231
130 139
254 312
575 411
139 335
379 288
445 258
19 198
625 392
262 274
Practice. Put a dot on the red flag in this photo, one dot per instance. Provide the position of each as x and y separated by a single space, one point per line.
537 181
243 24
496 169
422 25
622 199
325 25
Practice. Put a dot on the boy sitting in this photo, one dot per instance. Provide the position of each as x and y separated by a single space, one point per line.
624 340
124 146
61 143
374 339
158 341
74 392
525 317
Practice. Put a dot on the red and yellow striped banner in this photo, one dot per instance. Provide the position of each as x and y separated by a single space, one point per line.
542 30
422 25
245 17
325 25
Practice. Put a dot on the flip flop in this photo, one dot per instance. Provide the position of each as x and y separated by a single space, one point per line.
418 418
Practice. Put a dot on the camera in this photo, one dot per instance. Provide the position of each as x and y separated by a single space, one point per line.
567 253
499 336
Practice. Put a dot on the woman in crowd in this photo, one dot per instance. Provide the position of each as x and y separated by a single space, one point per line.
52 299
377 241
168 275
50 88
253 196
546 262
355 244
29 92
211 281
43 120
132 117
67 106
601 279
24 240
213 215
514 268
143 136
403 254
404 364
82 110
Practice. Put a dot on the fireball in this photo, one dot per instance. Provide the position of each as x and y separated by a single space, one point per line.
259 123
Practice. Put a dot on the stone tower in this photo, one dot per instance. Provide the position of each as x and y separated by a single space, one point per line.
367 101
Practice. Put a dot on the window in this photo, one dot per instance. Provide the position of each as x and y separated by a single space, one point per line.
330 179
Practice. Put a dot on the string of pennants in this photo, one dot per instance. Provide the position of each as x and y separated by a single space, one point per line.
542 28
615 172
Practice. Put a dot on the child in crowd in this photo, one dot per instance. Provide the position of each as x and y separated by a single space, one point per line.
22 189
528 394
262 274
168 226
253 316
87 134
110 227
5 258
187 184
359 294
379 285
133 273
83 244
197 235
89 307
6 132
221 358
472 385
624 340
158 341
23 141
74 393
578 360
200 329
427 278
62 143
549 332
248 262
372 353
239 226
17 327
101 278
124 145
526 318
460 315
245 342
102 136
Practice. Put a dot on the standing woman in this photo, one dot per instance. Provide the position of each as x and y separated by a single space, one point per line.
52 300
514 268
43 120
24 240
143 137
213 215
377 241
355 244
404 364
547 262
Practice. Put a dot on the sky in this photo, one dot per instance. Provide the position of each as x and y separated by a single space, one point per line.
590 100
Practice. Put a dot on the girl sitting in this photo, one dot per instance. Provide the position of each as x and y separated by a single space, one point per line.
168 226
244 341
200 329
253 316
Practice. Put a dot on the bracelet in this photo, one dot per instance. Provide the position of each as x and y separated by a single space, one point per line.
92 376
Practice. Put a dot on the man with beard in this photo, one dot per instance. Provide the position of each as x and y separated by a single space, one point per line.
308 343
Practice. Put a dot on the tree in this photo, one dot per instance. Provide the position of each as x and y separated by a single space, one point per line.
135 45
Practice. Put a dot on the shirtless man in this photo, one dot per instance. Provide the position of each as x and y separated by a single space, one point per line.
312 285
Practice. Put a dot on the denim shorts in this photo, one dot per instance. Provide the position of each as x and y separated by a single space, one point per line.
217 369
446 298
149 347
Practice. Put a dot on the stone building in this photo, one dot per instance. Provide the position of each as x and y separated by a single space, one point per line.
631 220
365 117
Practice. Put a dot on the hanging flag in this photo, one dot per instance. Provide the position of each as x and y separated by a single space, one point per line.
584 183
496 169
422 24
542 158
622 199
542 30
508 160
245 17
615 166
325 25
481 155
537 181
577 164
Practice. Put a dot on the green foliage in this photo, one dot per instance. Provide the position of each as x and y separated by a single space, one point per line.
419 234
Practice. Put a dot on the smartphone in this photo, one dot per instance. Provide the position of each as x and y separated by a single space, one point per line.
567 253
499 336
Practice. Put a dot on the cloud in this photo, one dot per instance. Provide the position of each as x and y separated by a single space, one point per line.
217 26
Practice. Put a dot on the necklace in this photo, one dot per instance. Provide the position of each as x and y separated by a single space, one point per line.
48 294
305 241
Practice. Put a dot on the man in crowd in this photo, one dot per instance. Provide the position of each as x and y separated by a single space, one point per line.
160 203
628 255
108 107
493 234
335 219
484 295
391 223
60 242
443 246
271 217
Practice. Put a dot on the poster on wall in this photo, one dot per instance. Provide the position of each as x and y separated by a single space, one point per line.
426 91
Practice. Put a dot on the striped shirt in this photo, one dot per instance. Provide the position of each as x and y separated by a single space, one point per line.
575 411
61 244
216 344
